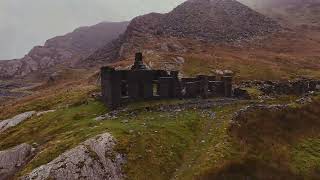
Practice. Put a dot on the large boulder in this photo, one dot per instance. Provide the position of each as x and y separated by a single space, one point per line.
93 159
13 159
5 124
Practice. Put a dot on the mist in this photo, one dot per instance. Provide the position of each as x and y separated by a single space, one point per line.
27 23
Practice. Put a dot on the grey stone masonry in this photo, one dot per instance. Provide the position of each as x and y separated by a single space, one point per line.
293 87
139 83
111 87
227 80
138 63
204 86
166 89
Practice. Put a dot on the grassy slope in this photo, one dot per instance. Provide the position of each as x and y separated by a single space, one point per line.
49 98
286 55
283 56
279 144
155 142
159 145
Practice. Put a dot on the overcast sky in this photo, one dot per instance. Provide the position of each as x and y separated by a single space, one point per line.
26 23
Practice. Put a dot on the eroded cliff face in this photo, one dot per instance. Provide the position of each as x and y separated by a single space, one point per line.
64 50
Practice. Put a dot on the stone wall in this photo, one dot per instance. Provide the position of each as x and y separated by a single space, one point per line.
120 87
139 83
296 87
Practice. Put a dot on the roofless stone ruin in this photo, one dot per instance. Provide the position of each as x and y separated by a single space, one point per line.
140 83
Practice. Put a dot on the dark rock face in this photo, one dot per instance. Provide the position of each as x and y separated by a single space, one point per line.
64 50
207 20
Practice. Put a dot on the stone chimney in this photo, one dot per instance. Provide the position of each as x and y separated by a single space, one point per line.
138 63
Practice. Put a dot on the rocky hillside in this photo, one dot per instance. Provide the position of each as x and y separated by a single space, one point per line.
205 20
296 12
66 50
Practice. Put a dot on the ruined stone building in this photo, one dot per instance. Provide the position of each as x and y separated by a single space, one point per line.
140 83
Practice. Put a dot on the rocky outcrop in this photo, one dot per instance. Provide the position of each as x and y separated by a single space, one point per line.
205 20
64 50
13 159
5 124
94 159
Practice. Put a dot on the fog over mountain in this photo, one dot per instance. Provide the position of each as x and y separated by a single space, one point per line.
289 12
25 24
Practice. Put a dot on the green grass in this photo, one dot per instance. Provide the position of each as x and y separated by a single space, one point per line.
271 68
313 74
54 99
285 140
254 92
194 66
306 156
55 132
186 144
213 147
157 144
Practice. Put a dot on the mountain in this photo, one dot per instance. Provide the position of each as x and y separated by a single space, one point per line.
63 50
203 20
293 12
